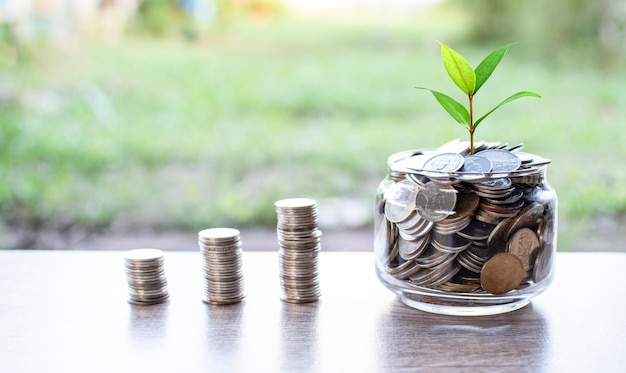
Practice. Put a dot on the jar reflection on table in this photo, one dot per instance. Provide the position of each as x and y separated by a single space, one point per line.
465 243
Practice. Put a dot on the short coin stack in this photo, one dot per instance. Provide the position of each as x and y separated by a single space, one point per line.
299 247
222 265
145 275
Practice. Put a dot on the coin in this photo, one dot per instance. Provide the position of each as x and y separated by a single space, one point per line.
145 275
409 250
452 225
476 164
466 204
502 273
447 246
295 204
501 160
412 221
142 255
531 216
523 244
440 202
452 243
445 162
454 146
496 185
221 252
476 230
512 199
471 261
299 244
218 234
543 264
419 229
400 201
415 162
497 238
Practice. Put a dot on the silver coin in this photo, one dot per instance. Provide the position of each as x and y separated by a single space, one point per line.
400 201
143 254
476 231
409 250
403 270
145 276
440 202
496 185
415 162
455 146
420 229
221 251
501 160
448 226
445 162
295 203
218 235
476 164
299 243
410 222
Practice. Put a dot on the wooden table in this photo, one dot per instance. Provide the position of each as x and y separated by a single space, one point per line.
67 311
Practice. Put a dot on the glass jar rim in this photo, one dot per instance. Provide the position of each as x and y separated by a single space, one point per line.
531 164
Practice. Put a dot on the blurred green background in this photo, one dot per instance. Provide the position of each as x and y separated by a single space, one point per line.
179 115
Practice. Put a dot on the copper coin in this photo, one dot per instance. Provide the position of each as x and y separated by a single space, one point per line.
523 243
466 204
530 216
503 272
496 240
543 264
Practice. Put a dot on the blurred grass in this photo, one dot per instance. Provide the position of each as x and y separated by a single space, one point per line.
179 135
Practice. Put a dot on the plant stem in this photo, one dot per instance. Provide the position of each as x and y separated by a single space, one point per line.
471 126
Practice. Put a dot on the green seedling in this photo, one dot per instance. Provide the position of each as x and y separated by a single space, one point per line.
470 80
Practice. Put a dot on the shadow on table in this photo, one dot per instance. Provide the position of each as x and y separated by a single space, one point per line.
408 335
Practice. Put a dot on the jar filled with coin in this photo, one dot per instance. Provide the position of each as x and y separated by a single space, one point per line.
466 234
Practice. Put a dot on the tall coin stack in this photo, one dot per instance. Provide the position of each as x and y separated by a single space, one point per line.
299 247
222 265
145 275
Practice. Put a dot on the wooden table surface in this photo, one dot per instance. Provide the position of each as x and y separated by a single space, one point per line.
67 311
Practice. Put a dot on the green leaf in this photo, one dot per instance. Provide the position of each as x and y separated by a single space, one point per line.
506 101
488 65
453 107
459 69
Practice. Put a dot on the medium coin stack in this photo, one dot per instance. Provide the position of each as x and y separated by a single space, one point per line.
448 214
222 265
299 247
145 274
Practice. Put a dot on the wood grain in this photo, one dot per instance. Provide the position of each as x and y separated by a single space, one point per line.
67 311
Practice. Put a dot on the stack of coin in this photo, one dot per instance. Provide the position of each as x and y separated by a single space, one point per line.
222 265
299 247
145 275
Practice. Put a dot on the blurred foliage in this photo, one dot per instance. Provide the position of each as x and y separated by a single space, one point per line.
169 17
590 31
256 8
155 132
158 18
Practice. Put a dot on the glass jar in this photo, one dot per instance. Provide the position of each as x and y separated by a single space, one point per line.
466 235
